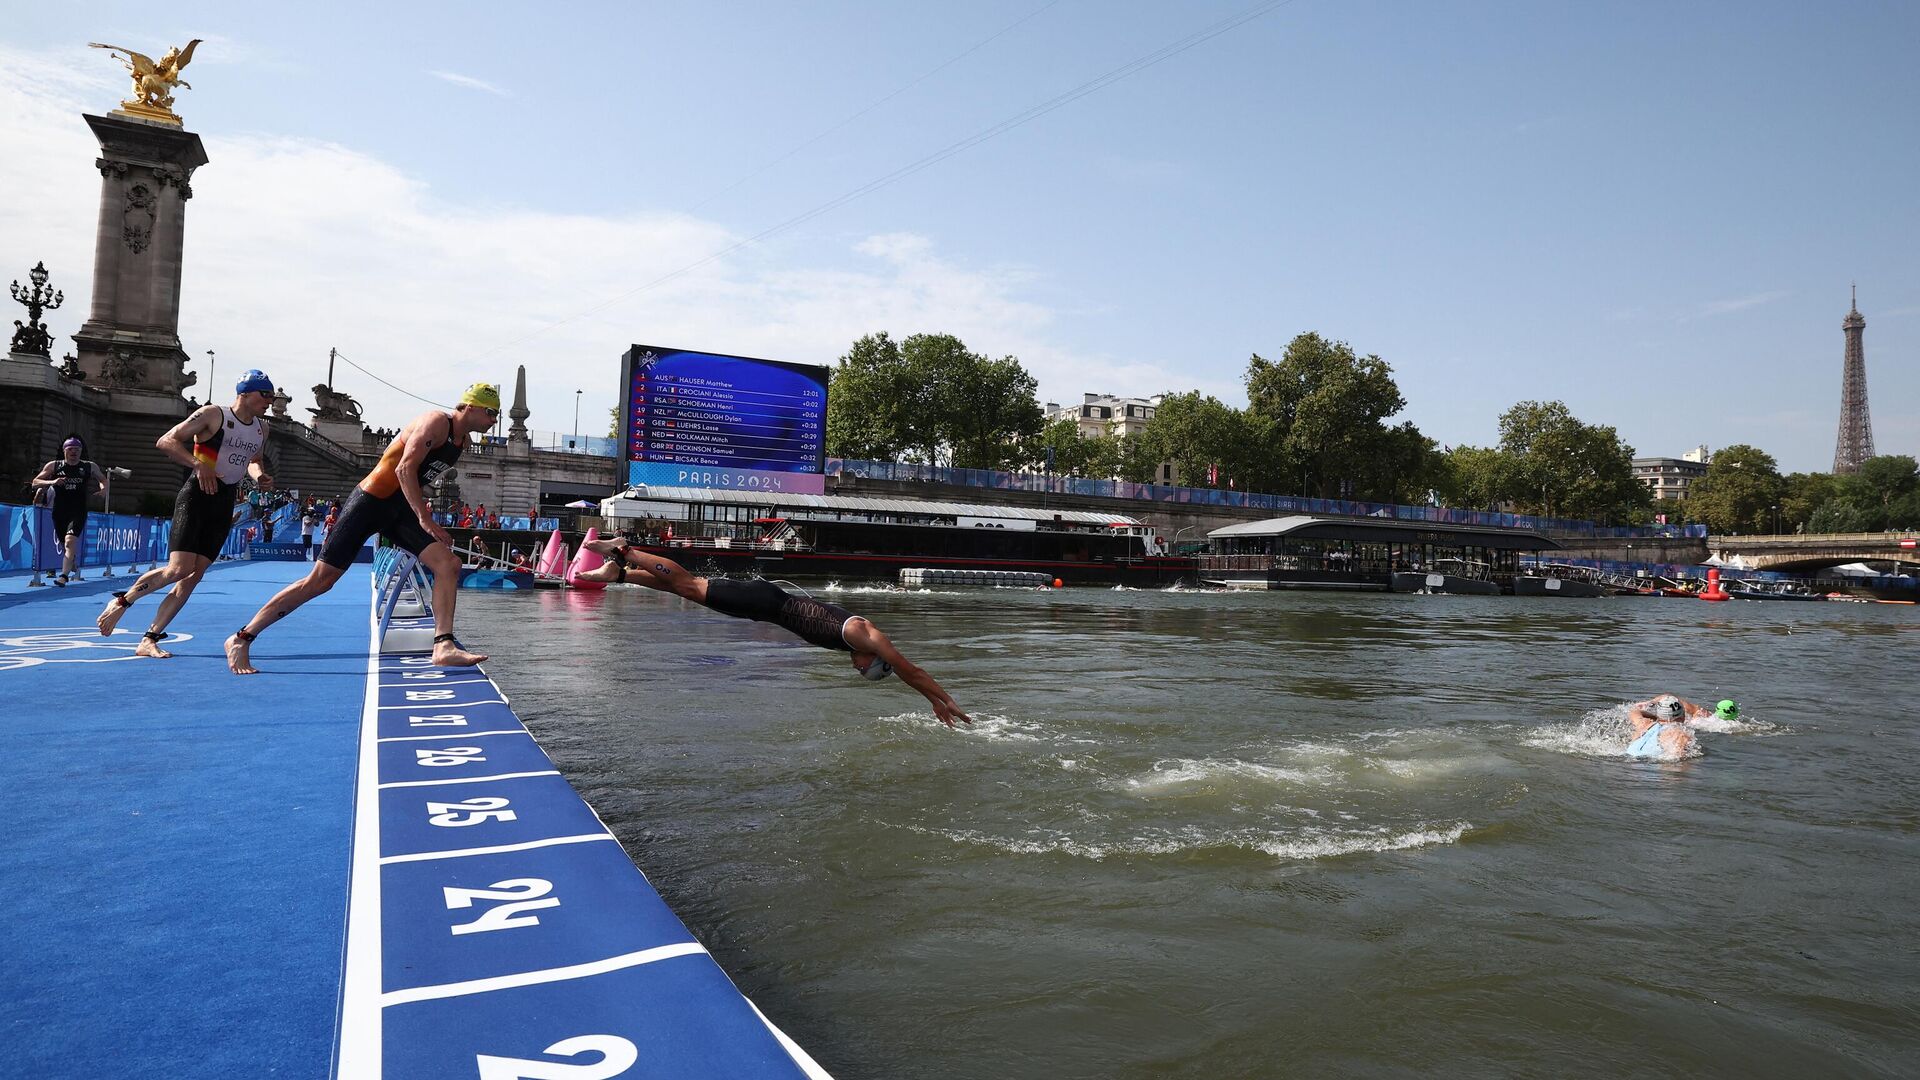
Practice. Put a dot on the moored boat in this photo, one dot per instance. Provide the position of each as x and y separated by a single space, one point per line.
1544 585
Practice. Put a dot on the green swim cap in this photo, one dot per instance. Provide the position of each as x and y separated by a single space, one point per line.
1728 709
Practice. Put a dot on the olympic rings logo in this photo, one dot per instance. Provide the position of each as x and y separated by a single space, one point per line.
24 647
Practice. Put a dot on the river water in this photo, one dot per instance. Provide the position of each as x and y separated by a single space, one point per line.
1200 834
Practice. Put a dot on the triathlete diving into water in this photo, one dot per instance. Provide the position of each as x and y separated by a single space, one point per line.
826 625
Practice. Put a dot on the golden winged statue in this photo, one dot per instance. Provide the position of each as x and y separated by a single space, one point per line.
153 82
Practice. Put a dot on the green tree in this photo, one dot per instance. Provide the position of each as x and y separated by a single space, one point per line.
1197 433
1322 412
1478 478
987 414
871 396
1840 515
1801 494
1880 483
929 398
1739 492
1093 456
1139 459
1561 467
1676 511
1404 466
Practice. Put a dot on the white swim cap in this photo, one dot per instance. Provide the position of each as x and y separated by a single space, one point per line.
1667 707
877 670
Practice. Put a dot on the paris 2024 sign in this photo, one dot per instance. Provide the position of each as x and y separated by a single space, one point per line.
698 419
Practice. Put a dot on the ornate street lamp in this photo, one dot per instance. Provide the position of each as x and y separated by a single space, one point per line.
32 337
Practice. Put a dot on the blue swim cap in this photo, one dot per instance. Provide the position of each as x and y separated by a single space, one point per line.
254 379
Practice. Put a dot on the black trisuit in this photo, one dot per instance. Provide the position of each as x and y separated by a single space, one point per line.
379 506
201 521
817 621
70 496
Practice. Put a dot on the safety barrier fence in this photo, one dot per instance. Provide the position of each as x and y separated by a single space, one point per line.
508 522
27 541
1243 500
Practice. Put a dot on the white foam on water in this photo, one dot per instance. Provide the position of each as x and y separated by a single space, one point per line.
1419 770
1175 775
1737 727
1006 728
1317 844
1069 764
1599 733
984 725
1327 846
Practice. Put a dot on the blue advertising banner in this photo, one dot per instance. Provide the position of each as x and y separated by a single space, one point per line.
119 539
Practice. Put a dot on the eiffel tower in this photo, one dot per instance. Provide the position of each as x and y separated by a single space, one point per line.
1855 444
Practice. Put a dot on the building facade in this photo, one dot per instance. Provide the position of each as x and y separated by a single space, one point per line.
1672 478
1104 414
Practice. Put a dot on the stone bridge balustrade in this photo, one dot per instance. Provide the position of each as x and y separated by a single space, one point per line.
1798 552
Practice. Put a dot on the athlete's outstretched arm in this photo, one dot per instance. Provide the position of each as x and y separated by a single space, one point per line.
866 637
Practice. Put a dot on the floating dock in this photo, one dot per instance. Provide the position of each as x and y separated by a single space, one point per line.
353 864
918 577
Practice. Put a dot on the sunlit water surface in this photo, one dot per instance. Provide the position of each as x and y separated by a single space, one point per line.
1199 834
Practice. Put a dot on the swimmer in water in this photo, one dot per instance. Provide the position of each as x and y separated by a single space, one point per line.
826 625
1726 711
1659 728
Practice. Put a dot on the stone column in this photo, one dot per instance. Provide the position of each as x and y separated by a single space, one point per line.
129 346
131 339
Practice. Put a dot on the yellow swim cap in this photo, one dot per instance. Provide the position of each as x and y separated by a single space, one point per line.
485 395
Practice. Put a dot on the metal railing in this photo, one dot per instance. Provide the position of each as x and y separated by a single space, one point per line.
1244 500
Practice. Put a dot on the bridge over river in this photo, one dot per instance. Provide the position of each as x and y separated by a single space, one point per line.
1804 553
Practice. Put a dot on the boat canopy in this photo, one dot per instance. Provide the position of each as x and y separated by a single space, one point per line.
865 504
1387 530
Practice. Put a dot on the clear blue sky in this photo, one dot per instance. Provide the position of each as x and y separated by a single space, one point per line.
1650 211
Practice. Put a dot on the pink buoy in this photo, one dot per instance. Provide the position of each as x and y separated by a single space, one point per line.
585 560
553 560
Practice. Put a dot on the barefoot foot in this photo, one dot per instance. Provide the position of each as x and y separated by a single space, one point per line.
604 572
237 661
447 654
606 545
150 647
110 618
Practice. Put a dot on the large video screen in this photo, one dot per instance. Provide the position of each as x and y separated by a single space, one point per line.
696 419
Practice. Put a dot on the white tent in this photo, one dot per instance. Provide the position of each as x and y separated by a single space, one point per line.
1854 569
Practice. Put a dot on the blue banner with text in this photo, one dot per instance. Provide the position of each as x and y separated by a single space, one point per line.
27 541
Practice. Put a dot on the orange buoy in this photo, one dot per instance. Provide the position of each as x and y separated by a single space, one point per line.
1713 591
1056 583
